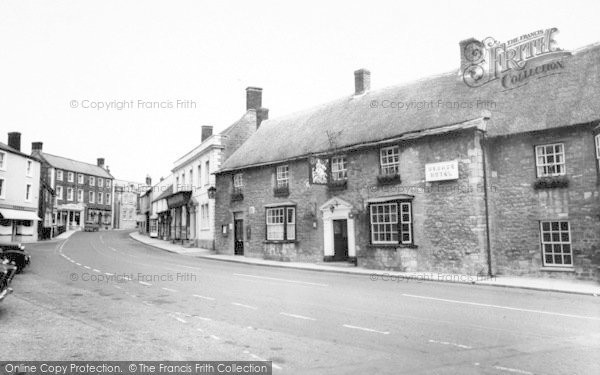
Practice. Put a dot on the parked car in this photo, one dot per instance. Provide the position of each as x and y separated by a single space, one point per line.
7 272
15 254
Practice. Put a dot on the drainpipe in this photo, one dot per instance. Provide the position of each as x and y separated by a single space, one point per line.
483 144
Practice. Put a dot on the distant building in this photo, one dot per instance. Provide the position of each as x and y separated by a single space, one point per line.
160 217
83 191
192 202
19 192
126 194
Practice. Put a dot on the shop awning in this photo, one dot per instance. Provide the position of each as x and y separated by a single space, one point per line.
7 213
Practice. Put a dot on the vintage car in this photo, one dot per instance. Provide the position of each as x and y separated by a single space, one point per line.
7 272
15 254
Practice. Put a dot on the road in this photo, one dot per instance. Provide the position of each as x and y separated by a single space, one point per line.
104 296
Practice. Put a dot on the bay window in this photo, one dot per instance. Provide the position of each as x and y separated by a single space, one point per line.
391 223
281 223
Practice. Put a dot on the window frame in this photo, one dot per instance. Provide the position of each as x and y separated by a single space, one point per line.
29 168
80 195
399 205
238 181
552 243
59 192
207 172
597 143
4 160
92 181
385 166
286 209
204 216
2 188
70 177
80 178
100 198
335 162
545 164
100 182
91 197
285 176
107 198
71 195
28 192
59 175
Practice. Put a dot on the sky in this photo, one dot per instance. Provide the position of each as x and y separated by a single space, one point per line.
61 60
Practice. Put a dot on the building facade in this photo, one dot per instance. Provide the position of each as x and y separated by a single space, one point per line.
192 204
126 194
160 219
469 180
84 192
19 192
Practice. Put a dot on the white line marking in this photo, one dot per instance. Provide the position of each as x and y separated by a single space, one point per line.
144 283
169 289
366 329
297 316
242 305
79 264
215 337
202 297
262 359
515 370
450 343
112 248
277 279
179 319
97 271
202 318
502 307
88 268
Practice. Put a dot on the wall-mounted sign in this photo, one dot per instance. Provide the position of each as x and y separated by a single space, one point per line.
446 170
318 171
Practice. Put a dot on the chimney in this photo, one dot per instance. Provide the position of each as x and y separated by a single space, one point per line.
206 132
253 98
14 140
362 81
148 180
101 162
36 146
261 114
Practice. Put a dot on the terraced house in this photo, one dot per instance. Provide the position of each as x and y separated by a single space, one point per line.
83 191
430 176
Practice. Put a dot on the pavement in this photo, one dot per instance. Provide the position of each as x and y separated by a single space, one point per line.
104 296
541 284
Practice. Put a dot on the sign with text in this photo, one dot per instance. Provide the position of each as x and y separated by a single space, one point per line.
446 170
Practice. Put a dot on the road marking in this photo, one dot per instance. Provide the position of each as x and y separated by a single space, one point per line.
179 319
503 307
79 264
215 337
242 305
97 271
262 359
112 248
278 279
88 268
513 370
203 297
450 343
169 290
297 316
144 283
202 318
366 329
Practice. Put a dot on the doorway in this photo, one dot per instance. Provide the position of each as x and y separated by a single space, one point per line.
340 240
238 236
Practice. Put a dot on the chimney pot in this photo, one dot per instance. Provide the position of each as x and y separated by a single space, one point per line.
36 146
362 81
207 131
253 98
14 140
261 115
101 162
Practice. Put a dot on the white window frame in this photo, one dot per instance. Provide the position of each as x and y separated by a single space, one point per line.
59 192
204 216
541 160
199 178
207 172
29 168
28 192
282 175
280 223
70 177
107 183
597 140
70 194
393 218
80 178
2 188
339 168
91 197
3 160
389 160
107 198
59 175
100 182
238 180
556 242
92 181
100 198
80 195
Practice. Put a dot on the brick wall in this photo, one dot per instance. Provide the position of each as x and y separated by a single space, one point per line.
517 207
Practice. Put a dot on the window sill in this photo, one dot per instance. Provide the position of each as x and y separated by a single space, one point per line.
393 246
557 269
279 241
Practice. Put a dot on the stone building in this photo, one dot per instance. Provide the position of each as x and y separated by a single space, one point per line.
126 194
430 176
